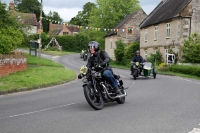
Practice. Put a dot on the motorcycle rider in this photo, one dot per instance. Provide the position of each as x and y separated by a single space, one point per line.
100 57
137 58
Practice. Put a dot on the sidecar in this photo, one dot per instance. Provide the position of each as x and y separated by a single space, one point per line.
149 70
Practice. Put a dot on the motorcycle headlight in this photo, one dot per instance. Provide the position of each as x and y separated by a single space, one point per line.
83 70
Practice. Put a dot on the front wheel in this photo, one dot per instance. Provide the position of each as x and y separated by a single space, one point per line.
85 58
135 74
93 99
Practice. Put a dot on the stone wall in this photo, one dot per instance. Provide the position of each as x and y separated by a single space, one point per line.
12 65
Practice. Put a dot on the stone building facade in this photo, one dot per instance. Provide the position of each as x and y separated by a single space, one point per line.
127 30
176 21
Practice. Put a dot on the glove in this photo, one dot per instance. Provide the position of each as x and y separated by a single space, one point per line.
79 76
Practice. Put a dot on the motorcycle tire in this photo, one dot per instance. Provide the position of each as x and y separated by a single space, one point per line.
96 102
121 100
135 74
85 58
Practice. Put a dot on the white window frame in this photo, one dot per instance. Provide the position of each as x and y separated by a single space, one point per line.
155 51
168 30
146 35
145 54
166 53
156 33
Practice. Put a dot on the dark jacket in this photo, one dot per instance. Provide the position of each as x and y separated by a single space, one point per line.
138 59
101 58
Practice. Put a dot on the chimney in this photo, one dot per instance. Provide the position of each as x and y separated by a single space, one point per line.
12 6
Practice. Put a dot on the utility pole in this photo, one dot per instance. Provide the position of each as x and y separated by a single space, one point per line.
40 39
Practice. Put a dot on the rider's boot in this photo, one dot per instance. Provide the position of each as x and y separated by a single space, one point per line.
117 91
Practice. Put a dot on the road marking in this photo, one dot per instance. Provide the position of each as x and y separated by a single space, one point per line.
54 57
195 130
188 80
43 110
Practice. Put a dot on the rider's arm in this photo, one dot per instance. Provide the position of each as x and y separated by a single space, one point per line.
106 57
89 63
142 60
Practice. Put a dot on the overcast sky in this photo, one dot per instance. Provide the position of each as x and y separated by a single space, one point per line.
68 9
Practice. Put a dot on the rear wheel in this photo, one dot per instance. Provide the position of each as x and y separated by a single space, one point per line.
93 99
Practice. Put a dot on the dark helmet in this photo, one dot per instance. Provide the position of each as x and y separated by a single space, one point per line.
94 44
137 52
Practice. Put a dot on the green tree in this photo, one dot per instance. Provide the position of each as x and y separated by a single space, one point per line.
109 12
191 48
156 58
119 52
54 16
82 17
129 52
28 6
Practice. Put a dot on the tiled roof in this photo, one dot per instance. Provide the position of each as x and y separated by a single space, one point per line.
73 28
57 31
166 10
121 23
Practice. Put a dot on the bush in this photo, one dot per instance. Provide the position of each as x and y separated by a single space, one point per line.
191 70
155 59
82 41
191 49
10 38
129 52
119 52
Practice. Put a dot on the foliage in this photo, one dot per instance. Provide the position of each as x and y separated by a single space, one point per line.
82 16
191 48
156 58
94 35
10 38
67 42
129 52
119 51
81 41
191 70
109 12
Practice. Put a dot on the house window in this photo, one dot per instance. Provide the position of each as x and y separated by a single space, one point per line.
168 30
156 33
130 30
65 33
145 35
145 54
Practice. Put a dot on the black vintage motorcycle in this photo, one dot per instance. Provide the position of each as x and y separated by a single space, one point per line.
136 69
97 90
85 56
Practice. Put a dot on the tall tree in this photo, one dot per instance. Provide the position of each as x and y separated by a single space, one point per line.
54 16
28 6
83 16
110 12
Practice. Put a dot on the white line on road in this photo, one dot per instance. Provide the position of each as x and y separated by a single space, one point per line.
43 110
54 57
188 80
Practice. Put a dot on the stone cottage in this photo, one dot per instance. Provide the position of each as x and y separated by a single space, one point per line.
127 30
28 20
58 29
168 25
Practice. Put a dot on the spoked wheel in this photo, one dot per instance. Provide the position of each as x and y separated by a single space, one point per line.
93 99
121 100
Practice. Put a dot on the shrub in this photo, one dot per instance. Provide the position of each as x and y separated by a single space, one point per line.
10 38
191 70
129 52
191 48
119 52
156 58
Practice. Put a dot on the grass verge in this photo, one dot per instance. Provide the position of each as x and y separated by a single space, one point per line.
58 53
40 73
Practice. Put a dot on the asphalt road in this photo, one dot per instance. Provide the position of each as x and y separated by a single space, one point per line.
163 105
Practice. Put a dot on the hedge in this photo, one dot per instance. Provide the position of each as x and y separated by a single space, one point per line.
191 70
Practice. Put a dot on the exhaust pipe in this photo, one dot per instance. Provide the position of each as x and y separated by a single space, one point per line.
113 98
